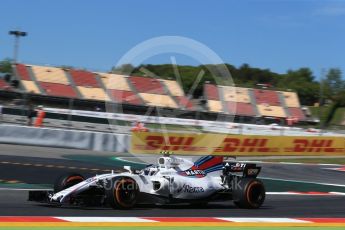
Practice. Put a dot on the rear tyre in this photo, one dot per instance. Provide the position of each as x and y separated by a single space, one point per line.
66 181
123 194
249 193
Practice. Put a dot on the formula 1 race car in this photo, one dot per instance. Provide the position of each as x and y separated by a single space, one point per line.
172 180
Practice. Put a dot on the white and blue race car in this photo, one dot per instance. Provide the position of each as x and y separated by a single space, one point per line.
172 180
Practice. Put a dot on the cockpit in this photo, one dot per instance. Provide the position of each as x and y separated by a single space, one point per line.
150 170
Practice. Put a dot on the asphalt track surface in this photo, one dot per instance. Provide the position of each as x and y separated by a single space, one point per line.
26 164
14 203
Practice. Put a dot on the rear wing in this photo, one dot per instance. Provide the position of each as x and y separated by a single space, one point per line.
246 169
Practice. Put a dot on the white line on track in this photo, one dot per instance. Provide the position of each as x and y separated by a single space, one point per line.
264 220
105 219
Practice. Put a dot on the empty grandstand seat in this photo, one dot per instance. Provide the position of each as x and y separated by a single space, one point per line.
271 111
31 87
158 100
84 78
235 94
229 93
240 108
93 93
4 85
60 90
215 106
211 92
22 72
242 95
296 112
267 97
174 88
147 85
123 96
184 102
114 81
50 74
291 99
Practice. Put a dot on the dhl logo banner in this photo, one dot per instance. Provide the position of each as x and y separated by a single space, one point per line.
220 144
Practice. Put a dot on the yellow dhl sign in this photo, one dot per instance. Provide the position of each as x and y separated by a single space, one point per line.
219 144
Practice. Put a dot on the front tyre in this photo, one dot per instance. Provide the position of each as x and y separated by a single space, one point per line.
123 193
66 181
249 193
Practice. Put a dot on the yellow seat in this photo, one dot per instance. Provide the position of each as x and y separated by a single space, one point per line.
114 81
291 99
271 111
215 106
93 93
158 100
174 88
235 94
50 74
242 95
31 87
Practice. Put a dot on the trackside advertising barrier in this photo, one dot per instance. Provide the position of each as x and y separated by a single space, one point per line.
208 126
235 145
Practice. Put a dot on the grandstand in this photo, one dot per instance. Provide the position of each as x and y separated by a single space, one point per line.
30 87
253 102
85 85
84 78
147 85
176 92
271 111
119 90
49 74
293 106
211 94
237 101
125 97
268 97
152 92
235 94
21 72
240 108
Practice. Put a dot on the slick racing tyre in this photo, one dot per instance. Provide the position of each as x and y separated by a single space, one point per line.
249 193
123 193
67 180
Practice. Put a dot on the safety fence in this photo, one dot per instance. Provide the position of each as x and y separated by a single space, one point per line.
95 121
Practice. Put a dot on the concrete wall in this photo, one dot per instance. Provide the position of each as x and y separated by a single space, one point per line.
97 141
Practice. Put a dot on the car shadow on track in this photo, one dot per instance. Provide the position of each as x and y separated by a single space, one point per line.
213 206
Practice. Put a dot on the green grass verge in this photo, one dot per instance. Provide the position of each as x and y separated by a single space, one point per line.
338 117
